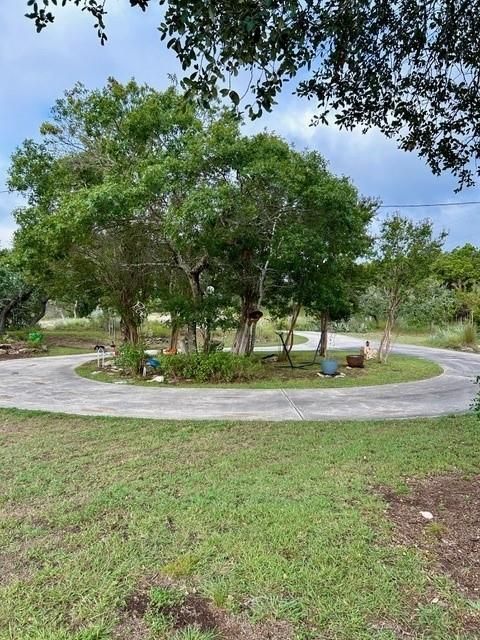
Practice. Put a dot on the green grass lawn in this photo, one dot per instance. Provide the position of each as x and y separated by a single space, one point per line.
420 339
275 520
399 368
417 338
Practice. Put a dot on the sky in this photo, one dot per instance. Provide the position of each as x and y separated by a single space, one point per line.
37 68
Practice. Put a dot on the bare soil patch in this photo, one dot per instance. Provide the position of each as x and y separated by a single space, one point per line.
192 611
15 350
451 538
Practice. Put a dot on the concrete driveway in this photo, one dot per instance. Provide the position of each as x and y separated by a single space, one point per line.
50 384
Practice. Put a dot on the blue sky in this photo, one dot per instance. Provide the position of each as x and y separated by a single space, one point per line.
36 69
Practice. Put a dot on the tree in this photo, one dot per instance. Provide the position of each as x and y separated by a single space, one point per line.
135 195
95 213
405 253
21 303
315 266
372 303
460 268
194 225
409 68
431 303
259 202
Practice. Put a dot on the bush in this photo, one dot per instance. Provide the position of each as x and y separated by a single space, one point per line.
66 324
35 338
131 358
17 335
469 334
31 335
153 329
455 336
306 323
354 325
214 367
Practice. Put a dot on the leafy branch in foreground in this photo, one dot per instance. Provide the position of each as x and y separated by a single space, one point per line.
411 69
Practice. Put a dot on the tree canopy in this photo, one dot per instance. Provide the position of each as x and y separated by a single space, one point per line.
409 68
460 268
22 304
141 198
405 254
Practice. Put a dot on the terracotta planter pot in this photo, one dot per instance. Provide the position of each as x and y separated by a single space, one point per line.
356 361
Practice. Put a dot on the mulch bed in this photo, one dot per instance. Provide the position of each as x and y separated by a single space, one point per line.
451 539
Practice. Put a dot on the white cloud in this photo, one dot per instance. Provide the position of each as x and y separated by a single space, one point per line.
36 69
381 170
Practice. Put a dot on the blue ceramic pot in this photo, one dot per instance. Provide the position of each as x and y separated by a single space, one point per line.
329 367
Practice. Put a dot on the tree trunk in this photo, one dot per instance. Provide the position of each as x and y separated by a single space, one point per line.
193 274
3 317
252 338
252 299
293 323
41 312
244 342
196 289
324 318
207 339
129 330
192 337
174 335
386 342
10 306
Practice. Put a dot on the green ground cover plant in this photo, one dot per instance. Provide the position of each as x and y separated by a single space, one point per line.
214 367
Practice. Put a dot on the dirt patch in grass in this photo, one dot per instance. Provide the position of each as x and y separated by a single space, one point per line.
451 539
188 610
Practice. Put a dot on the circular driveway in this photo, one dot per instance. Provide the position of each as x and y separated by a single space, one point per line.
50 384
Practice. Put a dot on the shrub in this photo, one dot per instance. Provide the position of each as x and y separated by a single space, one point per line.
469 334
455 336
66 324
14 335
35 338
131 358
306 323
153 329
214 367
354 324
